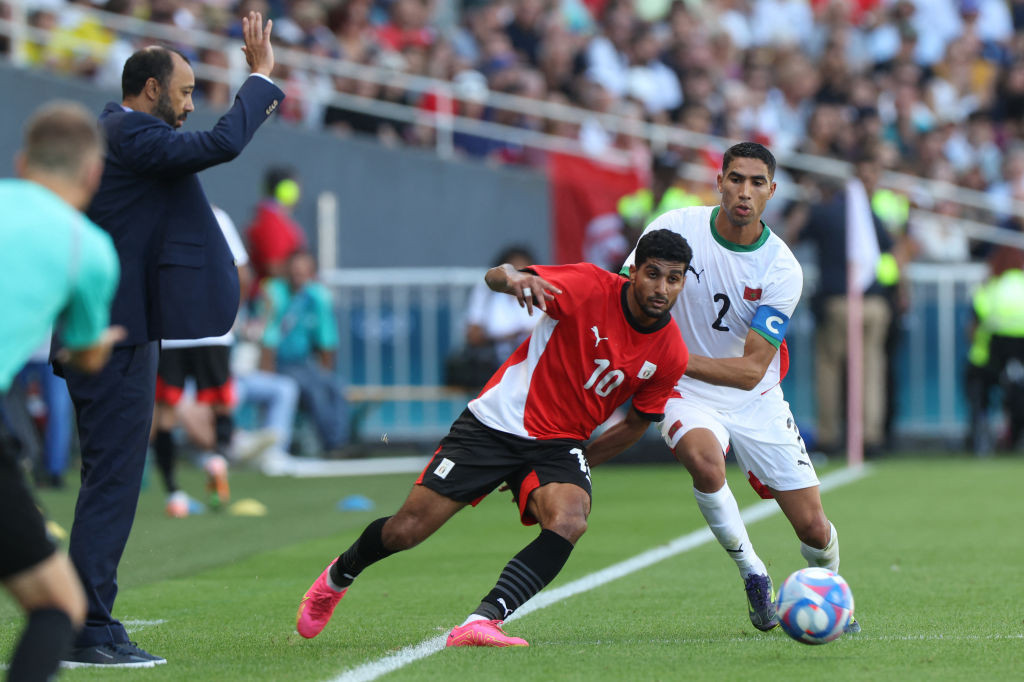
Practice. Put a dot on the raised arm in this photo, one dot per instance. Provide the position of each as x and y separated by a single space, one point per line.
529 289
743 372
259 53
617 438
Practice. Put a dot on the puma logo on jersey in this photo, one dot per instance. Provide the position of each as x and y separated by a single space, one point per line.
695 273
597 335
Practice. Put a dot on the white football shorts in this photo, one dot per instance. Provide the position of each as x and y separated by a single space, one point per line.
765 439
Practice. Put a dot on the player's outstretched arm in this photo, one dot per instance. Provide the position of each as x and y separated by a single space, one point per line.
259 53
617 438
529 289
743 372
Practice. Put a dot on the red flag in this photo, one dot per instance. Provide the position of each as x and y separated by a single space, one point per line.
751 294
581 190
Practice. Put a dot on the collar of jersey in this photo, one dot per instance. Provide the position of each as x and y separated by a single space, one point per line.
635 323
733 246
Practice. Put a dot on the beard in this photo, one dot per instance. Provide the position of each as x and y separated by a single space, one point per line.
164 110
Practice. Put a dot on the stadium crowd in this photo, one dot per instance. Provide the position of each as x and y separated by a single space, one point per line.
937 85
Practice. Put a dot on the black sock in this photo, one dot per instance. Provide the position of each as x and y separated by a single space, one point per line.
44 642
224 426
525 575
368 549
163 446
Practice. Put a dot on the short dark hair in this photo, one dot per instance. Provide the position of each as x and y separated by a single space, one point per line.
59 138
749 150
275 175
515 252
664 245
149 62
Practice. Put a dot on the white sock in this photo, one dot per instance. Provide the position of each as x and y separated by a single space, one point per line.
472 617
330 583
827 557
723 516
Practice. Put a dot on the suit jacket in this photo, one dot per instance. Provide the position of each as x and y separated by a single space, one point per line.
178 279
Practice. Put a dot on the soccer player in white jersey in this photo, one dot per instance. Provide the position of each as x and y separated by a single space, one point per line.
733 316
602 341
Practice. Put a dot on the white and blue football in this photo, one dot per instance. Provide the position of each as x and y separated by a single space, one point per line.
814 605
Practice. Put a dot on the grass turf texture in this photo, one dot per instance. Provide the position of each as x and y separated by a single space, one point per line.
931 548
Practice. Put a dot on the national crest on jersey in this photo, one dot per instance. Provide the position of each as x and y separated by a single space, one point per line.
585 358
731 289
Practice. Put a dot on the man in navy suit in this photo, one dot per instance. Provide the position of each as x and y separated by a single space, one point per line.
178 281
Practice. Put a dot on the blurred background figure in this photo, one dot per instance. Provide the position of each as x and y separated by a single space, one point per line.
666 192
49 405
206 364
826 227
495 326
274 235
999 308
300 340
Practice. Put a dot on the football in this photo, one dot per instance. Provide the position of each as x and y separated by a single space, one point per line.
814 605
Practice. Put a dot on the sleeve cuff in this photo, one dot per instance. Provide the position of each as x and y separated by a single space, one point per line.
260 75
650 416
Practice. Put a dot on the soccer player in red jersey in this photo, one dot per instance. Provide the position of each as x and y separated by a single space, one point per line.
602 341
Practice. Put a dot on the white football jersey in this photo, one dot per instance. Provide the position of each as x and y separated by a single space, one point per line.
731 289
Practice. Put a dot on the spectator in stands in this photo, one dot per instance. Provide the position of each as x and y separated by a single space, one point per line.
408 24
650 80
607 55
300 341
216 92
273 234
350 23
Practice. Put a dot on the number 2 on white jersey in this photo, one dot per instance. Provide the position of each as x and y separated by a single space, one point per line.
608 383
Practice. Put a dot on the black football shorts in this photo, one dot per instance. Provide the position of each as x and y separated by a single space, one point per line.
473 459
23 539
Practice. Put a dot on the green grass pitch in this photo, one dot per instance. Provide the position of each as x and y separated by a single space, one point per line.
932 548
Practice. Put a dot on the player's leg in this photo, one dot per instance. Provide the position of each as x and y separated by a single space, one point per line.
41 580
170 384
52 597
819 542
422 513
554 491
467 465
214 387
701 453
700 447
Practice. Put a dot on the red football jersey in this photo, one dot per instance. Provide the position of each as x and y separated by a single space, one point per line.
585 358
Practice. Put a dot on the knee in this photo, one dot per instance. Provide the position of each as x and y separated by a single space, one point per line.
403 531
814 532
570 525
707 469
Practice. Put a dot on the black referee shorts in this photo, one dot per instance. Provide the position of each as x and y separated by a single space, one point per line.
23 539
473 459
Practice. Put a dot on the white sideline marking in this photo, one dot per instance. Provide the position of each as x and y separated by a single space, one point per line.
756 512
136 625
309 467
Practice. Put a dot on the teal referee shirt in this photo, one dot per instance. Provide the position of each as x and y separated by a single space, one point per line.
57 270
